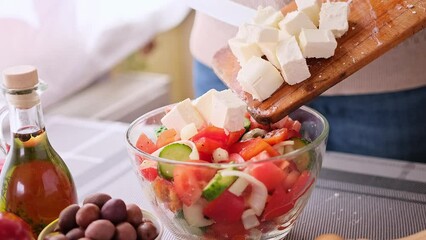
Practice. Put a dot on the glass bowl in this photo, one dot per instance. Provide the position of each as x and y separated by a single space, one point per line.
273 221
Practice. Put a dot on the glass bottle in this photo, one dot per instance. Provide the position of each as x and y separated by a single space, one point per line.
35 183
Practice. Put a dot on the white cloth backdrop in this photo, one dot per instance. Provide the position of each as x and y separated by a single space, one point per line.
74 42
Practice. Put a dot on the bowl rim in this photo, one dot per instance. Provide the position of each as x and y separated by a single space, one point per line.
146 215
323 135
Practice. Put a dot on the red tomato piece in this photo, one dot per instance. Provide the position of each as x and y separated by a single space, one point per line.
291 179
166 137
227 208
149 173
189 181
280 203
233 231
268 173
292 133
233 137
276 136
145 144
254 124
302 185
206 146
213 133
238 146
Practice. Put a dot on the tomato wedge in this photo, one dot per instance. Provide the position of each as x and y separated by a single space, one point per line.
212 132
276 136
280 203
269 174
166 137
189 181
145 144
235 136
302 185
227 208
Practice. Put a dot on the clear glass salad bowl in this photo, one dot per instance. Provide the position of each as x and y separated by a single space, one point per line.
256 199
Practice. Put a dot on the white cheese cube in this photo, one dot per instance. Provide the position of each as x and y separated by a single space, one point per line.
283 35
293 65
258 33
228 111
181 115
204 104
188 131
259 78
311 8
334 17
317 43
243 51
270 51
294 21
267 16
242 32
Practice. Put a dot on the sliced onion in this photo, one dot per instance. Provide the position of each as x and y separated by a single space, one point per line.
238 187
259 192
219 155
249 219
194 214
280 147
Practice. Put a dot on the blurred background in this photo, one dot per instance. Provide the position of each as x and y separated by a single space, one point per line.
102 59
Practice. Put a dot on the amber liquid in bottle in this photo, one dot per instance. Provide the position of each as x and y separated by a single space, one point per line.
35 183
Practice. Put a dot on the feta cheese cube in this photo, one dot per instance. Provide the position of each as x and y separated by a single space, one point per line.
188 131
293 65
242 32
270 51
204 104
311 8
283 35
294 21
317 43
228 111
182 114
259 78
258 33
334 17
243 51
267 16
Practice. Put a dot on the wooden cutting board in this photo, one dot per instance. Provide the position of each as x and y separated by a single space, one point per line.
375 26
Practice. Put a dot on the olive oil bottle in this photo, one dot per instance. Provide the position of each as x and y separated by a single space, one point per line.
35 183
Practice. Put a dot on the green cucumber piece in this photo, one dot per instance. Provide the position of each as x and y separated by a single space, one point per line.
247 124
159 130
217 185
305 160
174 151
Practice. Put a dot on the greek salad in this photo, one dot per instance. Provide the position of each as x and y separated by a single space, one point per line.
215 128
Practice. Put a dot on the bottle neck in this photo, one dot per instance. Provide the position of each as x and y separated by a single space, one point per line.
26 120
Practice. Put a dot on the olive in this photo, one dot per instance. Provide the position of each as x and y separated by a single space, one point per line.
67 219
98 199
114 210
147 231
88 213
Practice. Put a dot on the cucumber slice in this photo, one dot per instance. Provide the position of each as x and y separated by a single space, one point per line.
174 151
217 185
247 124
305 160
159 130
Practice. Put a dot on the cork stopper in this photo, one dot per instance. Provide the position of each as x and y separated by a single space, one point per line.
21 78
